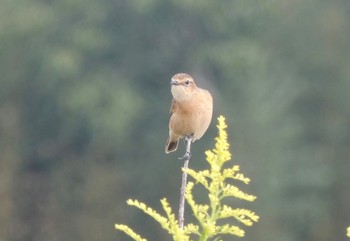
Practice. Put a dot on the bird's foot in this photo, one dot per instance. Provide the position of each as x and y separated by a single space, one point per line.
188 141
188 138
187 156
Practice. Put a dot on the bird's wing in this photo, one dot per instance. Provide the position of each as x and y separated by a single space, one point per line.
173 106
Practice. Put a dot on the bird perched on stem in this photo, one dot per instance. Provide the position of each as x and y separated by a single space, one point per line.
191 112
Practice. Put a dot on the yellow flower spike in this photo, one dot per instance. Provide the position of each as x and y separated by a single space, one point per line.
218 182
227 229
200 177
219 188
129 232
348 231
243 215
159 218
174 230
191 228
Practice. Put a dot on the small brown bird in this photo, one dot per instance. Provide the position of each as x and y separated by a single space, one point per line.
191 111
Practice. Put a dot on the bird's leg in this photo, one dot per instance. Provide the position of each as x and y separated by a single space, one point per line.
188 142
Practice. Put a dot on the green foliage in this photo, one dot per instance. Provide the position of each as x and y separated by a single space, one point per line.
84 95
209 217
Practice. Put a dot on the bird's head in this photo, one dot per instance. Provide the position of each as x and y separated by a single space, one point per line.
182 86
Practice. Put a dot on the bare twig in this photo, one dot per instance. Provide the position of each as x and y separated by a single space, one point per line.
186 159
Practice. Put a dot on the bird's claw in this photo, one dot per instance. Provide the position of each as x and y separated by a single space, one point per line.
187 156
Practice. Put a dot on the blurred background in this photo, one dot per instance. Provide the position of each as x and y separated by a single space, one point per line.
84 109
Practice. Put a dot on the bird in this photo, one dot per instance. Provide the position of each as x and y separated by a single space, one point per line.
190 112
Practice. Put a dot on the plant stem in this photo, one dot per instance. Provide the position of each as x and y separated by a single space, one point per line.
182 196
203 236
186 159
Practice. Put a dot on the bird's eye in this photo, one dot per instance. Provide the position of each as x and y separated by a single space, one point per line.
187 82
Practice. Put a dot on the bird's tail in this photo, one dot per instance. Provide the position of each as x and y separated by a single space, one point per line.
171 145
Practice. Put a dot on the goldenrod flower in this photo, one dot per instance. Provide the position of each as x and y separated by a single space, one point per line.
217 180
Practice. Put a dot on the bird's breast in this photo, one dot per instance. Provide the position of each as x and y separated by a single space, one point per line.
192 115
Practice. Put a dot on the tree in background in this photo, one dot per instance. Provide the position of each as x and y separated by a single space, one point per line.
84 99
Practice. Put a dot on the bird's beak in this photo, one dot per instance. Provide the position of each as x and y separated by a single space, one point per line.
174 82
